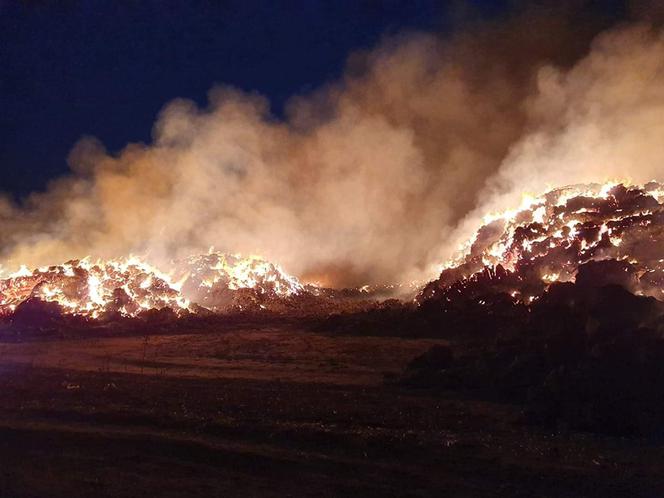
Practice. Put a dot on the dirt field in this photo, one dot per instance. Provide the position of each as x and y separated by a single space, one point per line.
278 412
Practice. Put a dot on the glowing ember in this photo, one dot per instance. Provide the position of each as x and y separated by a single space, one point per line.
619 229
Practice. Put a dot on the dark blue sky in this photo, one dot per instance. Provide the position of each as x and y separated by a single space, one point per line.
105 68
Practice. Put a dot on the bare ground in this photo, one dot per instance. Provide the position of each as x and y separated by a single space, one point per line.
278 412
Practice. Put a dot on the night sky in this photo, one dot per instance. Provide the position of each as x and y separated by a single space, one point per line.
106 68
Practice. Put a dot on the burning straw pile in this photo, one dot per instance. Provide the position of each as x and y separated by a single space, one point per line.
615 232
131 287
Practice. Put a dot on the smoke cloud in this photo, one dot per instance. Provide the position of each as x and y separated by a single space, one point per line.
373 178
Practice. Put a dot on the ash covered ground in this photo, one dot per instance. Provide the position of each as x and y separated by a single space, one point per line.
531 367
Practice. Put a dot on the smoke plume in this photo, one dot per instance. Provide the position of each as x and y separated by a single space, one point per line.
373 178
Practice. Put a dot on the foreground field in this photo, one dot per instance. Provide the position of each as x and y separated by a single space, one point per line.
278 412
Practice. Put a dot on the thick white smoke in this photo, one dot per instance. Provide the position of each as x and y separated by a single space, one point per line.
374 178
601 120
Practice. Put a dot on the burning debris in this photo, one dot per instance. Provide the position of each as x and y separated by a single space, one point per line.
591 234
93 289
220 282
127 288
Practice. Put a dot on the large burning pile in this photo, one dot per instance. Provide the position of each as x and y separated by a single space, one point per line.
131 286
219 282
602 234
83 287
599 234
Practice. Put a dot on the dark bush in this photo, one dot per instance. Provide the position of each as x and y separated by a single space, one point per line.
588 359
